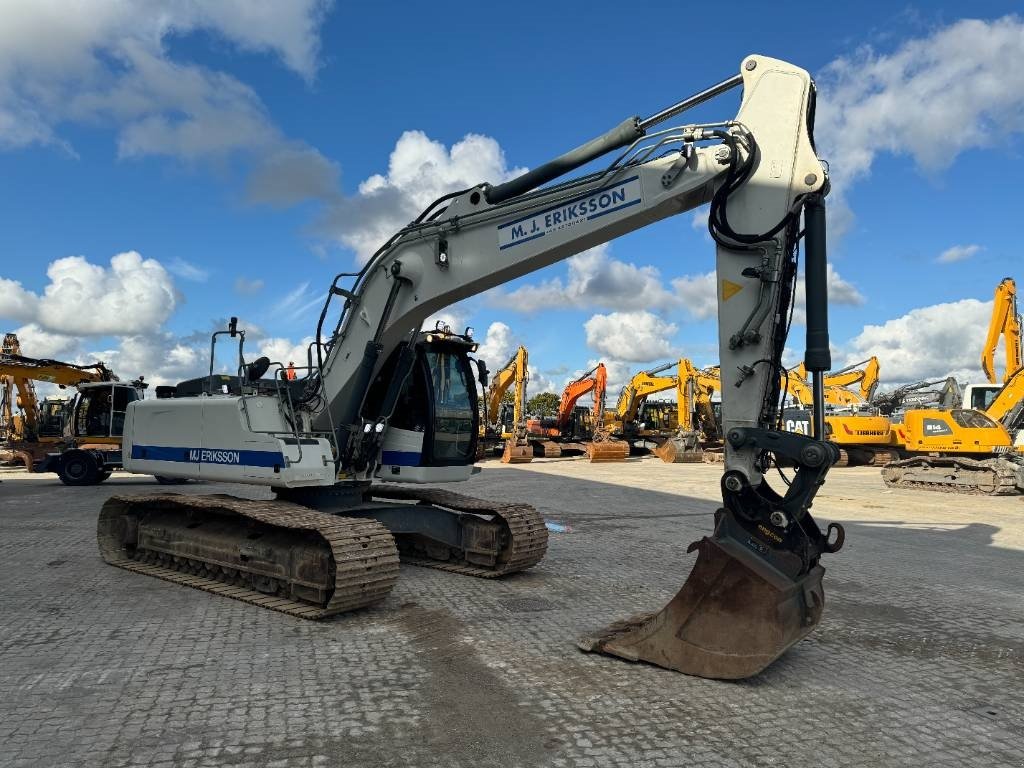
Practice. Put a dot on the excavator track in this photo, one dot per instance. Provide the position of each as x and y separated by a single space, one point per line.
526 541
951 474
300 561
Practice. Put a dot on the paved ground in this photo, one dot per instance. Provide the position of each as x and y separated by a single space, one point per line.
918 662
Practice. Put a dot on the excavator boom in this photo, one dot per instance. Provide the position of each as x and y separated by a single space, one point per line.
384 402
1004 322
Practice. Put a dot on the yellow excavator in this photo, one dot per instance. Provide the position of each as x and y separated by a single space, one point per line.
624 421
1001 401
859 430
697 426
517 449
866 374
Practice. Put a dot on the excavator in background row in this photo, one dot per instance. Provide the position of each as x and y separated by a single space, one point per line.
571 430
510 429
603 446
1002 402
387 408
78 438
861 433
974 449
697 427
866 374
565 432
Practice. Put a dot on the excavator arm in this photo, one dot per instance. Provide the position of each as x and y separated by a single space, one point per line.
865 373
756 586
1004 322
1008 405
640 387
501 381
573 391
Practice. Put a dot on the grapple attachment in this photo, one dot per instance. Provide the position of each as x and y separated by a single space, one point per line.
683 448
516 453
731 619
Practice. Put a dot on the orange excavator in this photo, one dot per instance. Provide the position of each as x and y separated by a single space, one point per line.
577 430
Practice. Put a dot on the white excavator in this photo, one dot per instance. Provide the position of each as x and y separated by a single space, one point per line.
386 407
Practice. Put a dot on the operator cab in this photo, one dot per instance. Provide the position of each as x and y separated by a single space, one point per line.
433 431
98 411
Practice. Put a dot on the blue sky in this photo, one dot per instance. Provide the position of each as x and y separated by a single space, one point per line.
231 150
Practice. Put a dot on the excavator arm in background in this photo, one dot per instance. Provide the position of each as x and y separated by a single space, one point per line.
517 447
515 372
1004 322
1008 405
602 447
21 371
693 395
865 373
388 403
642 385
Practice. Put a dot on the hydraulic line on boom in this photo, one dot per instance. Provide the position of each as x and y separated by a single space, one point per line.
385 407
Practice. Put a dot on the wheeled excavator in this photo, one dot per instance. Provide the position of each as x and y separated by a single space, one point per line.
516 449
352 451
78 438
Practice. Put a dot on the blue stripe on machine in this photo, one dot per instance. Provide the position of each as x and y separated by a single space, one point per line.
208 456
401 458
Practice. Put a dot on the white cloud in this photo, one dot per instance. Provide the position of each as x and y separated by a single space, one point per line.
630 336
15 302
598 281
35 342
498 346
248 287
932 98
419 171
840 291
926 343
107 63
285 351
698 294
957 253
133 295
541 381
188 271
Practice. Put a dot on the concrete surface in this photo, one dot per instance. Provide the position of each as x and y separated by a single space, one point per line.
919 660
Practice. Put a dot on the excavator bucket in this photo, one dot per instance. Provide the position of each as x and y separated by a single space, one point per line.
515 453
547 449
607 450
681 449
732 618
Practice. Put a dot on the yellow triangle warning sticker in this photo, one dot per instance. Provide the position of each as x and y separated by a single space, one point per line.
730 289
